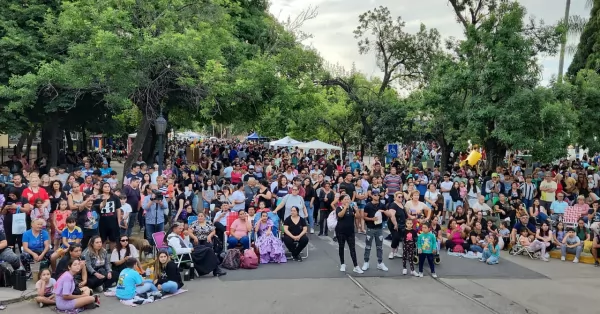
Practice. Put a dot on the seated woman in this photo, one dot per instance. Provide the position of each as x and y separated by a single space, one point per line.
122 252
168 278
74 252
543 238
36 245
98 265
65 287
270 247
459 215
203 233
295 239
131 284
238 232
476 239
204 258
456 238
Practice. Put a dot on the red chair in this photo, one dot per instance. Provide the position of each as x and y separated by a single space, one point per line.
230 219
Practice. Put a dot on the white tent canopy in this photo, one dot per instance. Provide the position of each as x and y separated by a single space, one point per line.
285 142
318 145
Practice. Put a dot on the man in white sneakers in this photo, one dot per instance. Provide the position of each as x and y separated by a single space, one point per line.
374 211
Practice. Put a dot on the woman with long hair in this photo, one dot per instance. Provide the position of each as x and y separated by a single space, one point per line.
473 192
110 215
167 276
98 265
64 289
344 230
209 194
123 252
74 252
543 239
397 215
309 201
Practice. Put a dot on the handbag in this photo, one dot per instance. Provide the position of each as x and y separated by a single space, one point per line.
19 224
332 220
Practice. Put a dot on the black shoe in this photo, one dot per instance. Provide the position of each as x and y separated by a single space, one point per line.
298 259
320 235
334 239
596 264
219 272
388 237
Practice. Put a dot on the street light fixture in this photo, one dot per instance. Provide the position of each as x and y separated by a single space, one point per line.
160 125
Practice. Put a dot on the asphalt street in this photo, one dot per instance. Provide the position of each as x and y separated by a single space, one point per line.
317 286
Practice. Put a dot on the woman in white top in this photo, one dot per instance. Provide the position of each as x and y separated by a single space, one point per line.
416 209
473 192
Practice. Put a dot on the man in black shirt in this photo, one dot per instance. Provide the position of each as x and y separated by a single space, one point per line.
348 186
373 216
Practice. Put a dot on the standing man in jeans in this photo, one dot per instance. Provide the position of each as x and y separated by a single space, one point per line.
154 208
374 230
133 194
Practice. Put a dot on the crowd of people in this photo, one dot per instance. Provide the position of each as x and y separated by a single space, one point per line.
232 195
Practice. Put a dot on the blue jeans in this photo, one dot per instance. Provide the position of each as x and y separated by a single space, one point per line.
232 242
150 229
147 286
169 287
456 204
488 258
195 201
527 203
476 248
448 204
130 224
311 212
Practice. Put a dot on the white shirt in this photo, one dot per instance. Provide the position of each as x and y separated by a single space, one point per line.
446 186
238 196
484 208
126 209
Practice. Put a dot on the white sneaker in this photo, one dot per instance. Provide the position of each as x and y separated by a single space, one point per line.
381 266
404 271
357 270
576 260
546 256
434 275
312 231
391 256
365 266
414 273
562 258
343 268
399 254
421 275
41 305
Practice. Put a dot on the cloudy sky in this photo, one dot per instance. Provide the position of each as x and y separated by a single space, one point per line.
332 28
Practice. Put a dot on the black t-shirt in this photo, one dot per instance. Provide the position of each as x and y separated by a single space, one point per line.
349 188
371 209
248 176
133 197
474 233
345 223
414 234
108 213
330 196
400 215
187 182
462 216
294 229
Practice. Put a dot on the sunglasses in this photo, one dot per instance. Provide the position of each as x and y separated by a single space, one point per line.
124 240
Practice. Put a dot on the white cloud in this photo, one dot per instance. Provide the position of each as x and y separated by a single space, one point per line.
332 28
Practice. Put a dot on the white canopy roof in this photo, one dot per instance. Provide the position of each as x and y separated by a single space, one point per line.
318 145
285 142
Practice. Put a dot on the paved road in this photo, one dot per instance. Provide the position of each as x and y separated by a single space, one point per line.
317 286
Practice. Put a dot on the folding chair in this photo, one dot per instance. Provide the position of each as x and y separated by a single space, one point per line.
159 239
569 219
519 249
230 219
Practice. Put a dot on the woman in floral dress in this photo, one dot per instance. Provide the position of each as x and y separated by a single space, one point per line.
271 248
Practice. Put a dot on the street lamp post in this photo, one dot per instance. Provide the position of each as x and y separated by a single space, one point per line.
160 126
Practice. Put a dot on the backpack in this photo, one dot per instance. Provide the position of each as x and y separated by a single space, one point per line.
249 260
232 259
6 276
458 249
332 220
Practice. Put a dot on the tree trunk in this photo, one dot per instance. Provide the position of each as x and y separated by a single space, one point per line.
84 143
69 140
563 44
30 138
149 147
54 145
20 143
136 148
495 153
344 148
446 149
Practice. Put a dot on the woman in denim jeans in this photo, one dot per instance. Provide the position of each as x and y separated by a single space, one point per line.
475 236
309 201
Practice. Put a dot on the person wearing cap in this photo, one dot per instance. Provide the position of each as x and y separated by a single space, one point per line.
373 217
105 170
493 188
249 174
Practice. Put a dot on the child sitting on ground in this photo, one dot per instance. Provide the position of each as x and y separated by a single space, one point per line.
491 253
505 234
44 288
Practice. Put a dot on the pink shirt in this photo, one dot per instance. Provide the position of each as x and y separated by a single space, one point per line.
582 209
240 227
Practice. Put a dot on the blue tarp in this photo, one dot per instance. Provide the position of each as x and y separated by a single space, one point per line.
254 136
